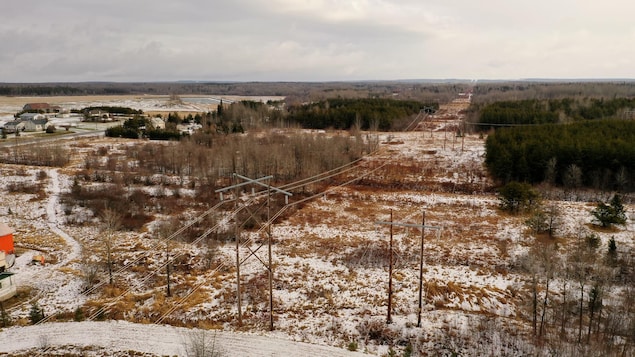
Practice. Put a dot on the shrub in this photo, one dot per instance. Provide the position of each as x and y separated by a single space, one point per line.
120 131
376 330
518 197
5 319
36 314
79 314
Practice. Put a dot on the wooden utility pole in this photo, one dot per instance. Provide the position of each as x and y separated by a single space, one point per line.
167 265
422 227
237 238
463 136
389 315
270 267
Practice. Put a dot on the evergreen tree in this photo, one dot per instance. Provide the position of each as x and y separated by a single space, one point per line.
611 254
219 110
608 215
36 314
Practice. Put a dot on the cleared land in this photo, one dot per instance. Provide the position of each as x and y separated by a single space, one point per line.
330 257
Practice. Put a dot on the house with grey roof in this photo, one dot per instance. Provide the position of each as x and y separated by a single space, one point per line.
32 116
13 126
35 125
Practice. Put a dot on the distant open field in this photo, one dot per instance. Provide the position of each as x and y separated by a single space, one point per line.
147 103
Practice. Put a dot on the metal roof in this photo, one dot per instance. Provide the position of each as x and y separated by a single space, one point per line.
6 274
5 230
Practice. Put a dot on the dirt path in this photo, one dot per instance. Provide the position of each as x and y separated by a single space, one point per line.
47 280
54 220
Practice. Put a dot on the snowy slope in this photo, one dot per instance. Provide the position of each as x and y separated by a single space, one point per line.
155 339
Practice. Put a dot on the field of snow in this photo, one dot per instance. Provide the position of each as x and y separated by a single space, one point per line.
111 338
147 103
330 265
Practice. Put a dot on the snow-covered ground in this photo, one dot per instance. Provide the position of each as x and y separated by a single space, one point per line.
114 336
147 103
330 263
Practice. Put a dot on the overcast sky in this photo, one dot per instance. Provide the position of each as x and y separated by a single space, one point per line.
314 40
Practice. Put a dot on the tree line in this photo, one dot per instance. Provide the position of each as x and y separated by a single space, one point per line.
112 110
489 92
598 154
202 168
295 92
365 114
546 111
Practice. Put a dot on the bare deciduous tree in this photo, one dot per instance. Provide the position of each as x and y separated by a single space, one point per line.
110 223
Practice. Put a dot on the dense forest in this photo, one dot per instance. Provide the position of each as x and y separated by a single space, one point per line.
535 111
598 154
373 114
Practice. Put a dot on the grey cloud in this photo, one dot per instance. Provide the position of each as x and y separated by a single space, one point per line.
264 40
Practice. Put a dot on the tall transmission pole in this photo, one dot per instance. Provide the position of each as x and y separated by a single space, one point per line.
269 264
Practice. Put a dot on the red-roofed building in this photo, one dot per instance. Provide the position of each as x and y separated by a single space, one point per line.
45 107
6 239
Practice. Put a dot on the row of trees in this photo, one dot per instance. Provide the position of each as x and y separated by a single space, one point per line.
599 154
37 155
287 158
365 114
186 164
491 92
112 110
543 111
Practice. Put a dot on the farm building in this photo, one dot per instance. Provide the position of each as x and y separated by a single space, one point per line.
43 107
6 239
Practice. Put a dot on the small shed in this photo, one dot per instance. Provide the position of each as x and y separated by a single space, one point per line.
6 239
8 288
